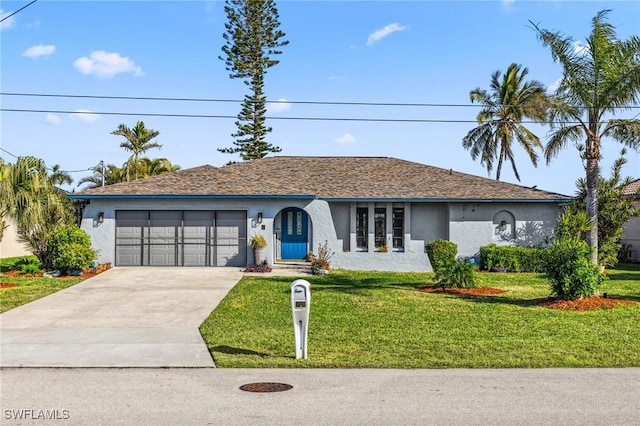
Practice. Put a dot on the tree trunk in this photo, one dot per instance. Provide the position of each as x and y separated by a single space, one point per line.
592 206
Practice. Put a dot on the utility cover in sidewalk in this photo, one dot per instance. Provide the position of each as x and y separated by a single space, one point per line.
266 387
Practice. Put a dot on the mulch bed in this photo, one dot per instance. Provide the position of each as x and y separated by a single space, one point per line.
7 285
478 291
87 273
585 304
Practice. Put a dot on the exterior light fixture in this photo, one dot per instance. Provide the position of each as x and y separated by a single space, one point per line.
259 220
100 217
503 225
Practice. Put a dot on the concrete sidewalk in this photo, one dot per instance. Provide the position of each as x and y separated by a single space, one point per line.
124 317
324 397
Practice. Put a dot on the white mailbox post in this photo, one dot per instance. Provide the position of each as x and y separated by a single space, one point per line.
300 301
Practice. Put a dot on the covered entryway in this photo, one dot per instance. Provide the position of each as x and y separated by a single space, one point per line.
181 238
294 240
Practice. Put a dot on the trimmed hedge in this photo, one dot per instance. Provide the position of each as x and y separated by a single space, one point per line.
516 259
441 253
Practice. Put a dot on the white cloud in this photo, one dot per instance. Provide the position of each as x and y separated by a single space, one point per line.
105 64
52 119
84 115
39 50
34 24
378 35
508 3
553 87
579 48
347 138
280 105
9 23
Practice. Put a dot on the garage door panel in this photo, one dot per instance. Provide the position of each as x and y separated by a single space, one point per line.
231 236
195 255
162 255
129 255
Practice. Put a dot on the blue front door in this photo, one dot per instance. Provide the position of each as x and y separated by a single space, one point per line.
294 234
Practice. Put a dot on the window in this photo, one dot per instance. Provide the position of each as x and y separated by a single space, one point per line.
290 223
398 227
362 227
380 223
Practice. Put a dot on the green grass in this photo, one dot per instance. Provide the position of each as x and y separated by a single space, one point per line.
369 319
28 289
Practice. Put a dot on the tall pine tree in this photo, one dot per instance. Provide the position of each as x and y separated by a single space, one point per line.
252 39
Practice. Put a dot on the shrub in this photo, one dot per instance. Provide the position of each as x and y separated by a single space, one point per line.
459 274
25 262
321 261
262 267
69 247
258 241
570 271
441 253
515 259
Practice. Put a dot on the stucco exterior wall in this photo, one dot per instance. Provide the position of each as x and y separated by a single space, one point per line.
631 235
10 246
468 225
474 225
103 235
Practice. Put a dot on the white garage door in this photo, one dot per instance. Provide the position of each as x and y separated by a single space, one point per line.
181 238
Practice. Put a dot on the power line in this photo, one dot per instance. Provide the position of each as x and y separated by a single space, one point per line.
50 169
162 98
153 98
23 7
151 114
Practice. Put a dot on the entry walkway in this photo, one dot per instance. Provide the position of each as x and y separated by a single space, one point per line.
124 317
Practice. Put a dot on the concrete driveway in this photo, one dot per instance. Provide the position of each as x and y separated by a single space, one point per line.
124 317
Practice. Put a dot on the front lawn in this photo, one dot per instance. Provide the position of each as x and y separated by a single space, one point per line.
373 319
27 288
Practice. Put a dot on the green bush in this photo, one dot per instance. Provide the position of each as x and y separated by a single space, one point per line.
459 274
570 271
441 253
69 247
515 259
493 256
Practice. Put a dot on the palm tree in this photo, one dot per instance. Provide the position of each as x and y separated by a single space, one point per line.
59 177
157 166
602 78
138 141
29 198
510 100
112 174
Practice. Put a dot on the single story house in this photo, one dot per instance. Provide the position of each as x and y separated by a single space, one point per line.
375 213
631 231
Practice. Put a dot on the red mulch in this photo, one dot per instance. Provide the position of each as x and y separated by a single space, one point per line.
478 291
87 273
7 285
585 304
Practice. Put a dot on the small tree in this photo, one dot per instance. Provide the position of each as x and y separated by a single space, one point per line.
614 210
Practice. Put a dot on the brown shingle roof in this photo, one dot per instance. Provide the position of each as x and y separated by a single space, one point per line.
327 178
633 188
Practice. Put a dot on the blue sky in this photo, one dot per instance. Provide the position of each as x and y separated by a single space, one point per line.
360 51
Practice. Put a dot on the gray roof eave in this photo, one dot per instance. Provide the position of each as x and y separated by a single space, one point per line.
81 196
452 200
